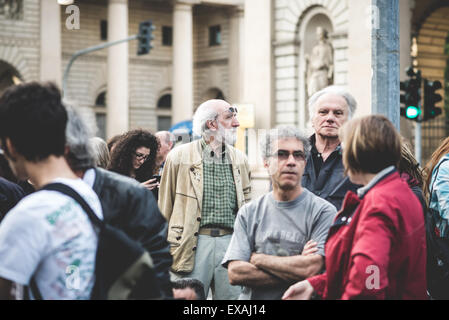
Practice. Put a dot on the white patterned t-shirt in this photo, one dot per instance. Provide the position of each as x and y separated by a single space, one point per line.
48 235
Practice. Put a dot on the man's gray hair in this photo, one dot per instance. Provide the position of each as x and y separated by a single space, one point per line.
81 155
204 113
283 132
337 90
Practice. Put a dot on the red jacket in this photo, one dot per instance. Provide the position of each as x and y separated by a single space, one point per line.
377 251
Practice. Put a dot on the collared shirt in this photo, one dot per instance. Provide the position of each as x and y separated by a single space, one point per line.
219 194
330 183
318 157
379 176
346 217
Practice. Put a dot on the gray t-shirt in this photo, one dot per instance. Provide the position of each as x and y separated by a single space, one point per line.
279 228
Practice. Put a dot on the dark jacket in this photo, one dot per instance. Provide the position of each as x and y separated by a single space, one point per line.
133 209
416 188
376 248
10 195
331 184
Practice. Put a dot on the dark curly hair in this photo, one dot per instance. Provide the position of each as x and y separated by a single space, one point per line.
124 150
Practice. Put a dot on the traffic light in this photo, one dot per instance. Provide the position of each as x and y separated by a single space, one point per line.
431 98
411 97
145 36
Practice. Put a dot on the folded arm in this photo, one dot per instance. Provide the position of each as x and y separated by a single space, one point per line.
291 268
245 274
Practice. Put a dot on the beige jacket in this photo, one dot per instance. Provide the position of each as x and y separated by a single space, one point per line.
181 197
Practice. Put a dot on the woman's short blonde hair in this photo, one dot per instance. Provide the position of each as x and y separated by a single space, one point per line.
101 152
370 144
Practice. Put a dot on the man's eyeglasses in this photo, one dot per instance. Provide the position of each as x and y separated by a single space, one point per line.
141 156
284 155
231 110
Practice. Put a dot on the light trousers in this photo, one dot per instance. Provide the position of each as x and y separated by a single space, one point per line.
208 269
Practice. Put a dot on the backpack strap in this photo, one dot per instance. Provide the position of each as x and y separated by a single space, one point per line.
68 191
34 289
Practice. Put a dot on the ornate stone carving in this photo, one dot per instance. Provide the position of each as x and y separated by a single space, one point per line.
320 64
11 9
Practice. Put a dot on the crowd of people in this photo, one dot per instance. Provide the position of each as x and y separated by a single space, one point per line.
345 219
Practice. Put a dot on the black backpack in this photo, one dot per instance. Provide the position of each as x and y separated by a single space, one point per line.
437 255
123 268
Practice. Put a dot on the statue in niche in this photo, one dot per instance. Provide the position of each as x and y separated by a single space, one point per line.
11 8
320 64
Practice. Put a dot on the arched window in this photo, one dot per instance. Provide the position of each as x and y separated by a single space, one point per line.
164 112
101 99
100 115
432 60
213 93
164 101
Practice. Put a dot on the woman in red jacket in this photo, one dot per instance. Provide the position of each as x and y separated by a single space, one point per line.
376 248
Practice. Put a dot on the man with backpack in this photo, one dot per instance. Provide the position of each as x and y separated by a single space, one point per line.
126 205
47 241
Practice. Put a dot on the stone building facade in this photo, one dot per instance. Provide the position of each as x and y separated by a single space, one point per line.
294 36
20 42
150 77
246 51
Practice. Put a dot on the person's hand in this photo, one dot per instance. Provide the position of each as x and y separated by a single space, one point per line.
302 290
151 184
255 258
310 248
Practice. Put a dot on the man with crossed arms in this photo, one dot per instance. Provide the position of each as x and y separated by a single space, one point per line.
279 237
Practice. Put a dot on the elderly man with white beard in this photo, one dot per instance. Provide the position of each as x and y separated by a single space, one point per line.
203 185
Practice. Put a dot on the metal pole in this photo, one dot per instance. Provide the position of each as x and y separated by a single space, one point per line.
385 59
86 51
418 142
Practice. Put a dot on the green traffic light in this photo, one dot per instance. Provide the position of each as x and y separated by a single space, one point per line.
412 112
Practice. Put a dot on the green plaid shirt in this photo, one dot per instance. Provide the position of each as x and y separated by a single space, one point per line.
219 194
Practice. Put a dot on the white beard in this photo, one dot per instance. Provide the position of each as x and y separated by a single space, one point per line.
228 136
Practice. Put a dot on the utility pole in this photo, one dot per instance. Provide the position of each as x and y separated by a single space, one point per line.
385 59
144 36
412 109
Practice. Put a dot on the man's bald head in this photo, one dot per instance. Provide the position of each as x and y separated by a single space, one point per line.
165 137
167 141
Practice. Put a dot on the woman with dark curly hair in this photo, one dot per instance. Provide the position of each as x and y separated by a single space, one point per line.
134 156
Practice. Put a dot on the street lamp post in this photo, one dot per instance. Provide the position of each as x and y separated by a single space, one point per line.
82 52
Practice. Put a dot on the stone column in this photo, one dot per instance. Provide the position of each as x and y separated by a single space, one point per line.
182 94
258 83
117 92
236 55
359 54
258 61
51 61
